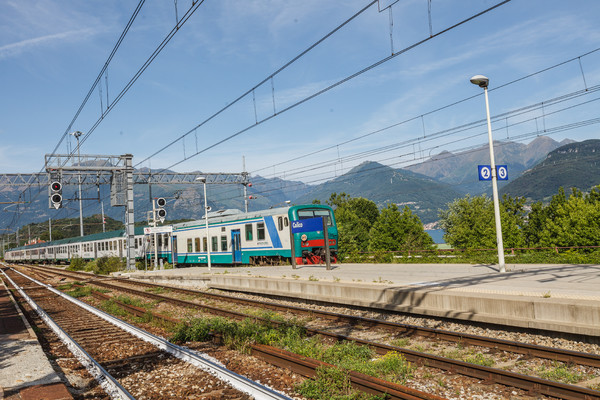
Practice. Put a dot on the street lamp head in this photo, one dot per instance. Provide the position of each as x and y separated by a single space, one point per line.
480 80
201 179
77 134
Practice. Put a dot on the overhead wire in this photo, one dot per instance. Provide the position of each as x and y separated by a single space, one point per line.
316 94
156 52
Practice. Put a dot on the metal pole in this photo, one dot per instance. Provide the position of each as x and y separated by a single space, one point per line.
208 243
130 228
292 248
326 244
103 222
155 235
245 185
50 227
499 241
79 184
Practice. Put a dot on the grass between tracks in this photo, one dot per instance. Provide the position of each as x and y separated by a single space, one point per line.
329 383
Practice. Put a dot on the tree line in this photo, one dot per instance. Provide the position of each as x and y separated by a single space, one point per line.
468 222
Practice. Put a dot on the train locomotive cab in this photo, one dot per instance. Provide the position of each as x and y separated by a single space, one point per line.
310 245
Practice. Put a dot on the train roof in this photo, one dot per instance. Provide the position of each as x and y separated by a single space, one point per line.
230 215
139 230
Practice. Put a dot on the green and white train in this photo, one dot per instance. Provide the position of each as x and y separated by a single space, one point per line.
235 238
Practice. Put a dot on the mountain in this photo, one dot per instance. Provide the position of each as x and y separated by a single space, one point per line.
573 165
383 185
460 169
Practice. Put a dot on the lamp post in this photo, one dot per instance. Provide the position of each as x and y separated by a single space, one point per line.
483 82
77 134
206 209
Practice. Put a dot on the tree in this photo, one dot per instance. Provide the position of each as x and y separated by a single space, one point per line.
394 230
572 222
469 222
354 217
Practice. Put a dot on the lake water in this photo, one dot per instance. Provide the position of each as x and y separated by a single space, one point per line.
437 235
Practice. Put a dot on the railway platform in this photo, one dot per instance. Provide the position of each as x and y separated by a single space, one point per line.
25 372
563 298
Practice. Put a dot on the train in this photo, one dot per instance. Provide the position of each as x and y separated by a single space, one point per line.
262 237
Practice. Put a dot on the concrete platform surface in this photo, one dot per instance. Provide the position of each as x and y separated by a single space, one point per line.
548 297
24 367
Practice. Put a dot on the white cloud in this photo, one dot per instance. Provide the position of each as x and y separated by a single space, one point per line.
14 49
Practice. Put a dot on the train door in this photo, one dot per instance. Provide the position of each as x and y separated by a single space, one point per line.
236 246
174 250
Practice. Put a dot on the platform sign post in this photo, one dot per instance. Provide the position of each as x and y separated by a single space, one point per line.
293 249
326 244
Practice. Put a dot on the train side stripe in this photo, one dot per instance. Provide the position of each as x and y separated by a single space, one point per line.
273 232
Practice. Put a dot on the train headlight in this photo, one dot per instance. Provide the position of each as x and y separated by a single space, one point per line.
304 237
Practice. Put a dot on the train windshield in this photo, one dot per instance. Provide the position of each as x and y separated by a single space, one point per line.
307 213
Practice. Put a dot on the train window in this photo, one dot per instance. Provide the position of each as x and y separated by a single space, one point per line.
214 244
249 232
285 221
223 229
260 231
280 223
189 245
314 213
204 243
160 242
223 243
197 243
136 243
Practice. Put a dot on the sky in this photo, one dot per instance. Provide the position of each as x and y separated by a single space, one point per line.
404 110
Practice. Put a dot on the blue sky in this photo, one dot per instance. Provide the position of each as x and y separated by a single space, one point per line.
52 50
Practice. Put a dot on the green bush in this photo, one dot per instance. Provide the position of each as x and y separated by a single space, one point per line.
77 264
106 265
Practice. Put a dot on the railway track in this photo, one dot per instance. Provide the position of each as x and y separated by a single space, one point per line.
120 355
298 364
524 382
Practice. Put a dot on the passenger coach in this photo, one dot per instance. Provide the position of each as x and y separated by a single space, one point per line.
258 238
235 238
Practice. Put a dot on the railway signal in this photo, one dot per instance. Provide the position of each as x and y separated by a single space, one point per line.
161 213
56 194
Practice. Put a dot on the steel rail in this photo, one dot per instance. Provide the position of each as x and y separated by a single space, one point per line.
237 381
567 356
511 379
110 385
302 365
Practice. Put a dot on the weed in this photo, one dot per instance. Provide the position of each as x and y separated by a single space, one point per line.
336 279
112 308
480 359
402 342
157 290
313 278
560 373
66 286
546 295
296 276
332 384
77 264
80 292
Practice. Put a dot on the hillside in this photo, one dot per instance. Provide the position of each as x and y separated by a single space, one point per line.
460 169
573 165
383 185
